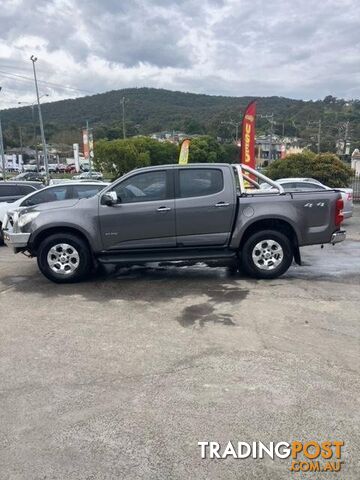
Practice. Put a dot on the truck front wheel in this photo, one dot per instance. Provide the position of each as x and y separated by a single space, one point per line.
266 254
64 258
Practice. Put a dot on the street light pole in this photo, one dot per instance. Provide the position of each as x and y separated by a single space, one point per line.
46 165
2 153
34 129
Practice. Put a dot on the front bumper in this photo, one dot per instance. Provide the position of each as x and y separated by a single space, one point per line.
338 237
17 241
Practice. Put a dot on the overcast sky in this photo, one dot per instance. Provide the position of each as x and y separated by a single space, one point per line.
294 48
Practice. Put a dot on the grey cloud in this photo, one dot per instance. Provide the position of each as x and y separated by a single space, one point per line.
247 47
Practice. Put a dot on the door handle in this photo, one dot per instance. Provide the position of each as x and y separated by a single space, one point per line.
163 209
222 204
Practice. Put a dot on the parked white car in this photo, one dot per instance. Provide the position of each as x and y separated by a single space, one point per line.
310 184
53 193
89 176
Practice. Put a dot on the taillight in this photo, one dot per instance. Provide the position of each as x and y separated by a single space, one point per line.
339 217
349 196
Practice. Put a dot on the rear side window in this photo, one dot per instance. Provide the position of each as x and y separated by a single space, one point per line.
9 190
198 182
25 189
86 191
47 195
308 186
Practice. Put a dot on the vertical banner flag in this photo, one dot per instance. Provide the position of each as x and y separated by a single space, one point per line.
86 143
283 151
91 144
248 135
76 157
184 152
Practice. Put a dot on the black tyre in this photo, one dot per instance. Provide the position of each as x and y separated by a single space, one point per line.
266 254
64 258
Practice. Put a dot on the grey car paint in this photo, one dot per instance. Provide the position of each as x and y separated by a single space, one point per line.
195 221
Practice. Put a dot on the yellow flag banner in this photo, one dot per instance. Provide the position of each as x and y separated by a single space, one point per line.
184 152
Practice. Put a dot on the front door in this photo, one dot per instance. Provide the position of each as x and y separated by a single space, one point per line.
144 216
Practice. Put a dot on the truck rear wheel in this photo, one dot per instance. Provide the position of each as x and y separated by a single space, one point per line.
266 254
64 258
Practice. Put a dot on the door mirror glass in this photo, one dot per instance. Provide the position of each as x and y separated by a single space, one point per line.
110 198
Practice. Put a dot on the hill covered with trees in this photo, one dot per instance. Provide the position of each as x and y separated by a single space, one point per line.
149 110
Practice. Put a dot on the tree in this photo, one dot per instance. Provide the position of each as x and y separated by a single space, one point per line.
325 167
117 157
204 149
230 153
160 153
331 171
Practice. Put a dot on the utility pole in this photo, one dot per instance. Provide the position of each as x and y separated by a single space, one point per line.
319 136
122 102
346 137
46 165
235 124
270 119
312 123
2 153
88 136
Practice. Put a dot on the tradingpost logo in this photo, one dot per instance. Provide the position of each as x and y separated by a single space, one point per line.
311 456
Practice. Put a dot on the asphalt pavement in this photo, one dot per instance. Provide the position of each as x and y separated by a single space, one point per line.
121 376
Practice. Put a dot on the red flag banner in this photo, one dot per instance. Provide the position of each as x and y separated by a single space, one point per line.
248 135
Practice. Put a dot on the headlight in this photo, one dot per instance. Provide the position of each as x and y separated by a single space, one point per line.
25 218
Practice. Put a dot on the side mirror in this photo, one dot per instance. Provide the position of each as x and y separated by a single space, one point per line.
109 198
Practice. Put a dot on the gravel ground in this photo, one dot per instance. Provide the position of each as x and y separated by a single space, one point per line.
120 377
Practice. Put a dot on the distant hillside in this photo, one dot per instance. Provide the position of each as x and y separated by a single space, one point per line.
149 110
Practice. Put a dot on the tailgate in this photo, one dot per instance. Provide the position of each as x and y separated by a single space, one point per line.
316 211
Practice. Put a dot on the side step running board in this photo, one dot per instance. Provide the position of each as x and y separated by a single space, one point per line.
127 257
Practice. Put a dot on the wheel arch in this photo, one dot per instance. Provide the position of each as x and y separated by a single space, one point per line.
279 225
40 237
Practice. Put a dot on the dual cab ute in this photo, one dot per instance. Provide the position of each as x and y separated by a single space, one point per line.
170 212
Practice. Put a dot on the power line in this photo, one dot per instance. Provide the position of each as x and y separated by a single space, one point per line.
51 84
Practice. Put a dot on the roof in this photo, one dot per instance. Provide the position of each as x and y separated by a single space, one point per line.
176 165
20 182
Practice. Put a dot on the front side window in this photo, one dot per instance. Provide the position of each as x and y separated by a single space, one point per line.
143 187
198 182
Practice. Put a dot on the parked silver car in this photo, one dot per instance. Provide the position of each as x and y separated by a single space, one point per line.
299 184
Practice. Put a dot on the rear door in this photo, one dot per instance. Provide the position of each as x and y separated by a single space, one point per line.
144 216
205 205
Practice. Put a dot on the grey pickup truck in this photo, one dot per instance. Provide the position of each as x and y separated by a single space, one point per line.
197 212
